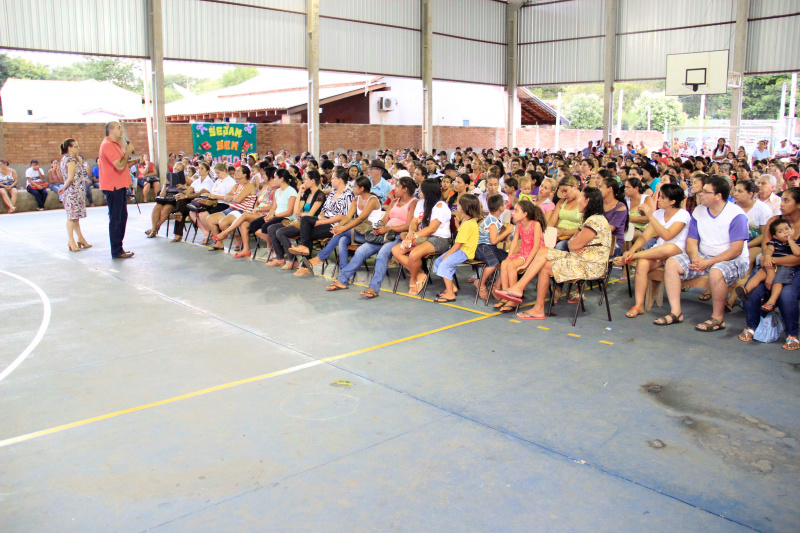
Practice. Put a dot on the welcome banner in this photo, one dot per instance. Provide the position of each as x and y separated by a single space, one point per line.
226 142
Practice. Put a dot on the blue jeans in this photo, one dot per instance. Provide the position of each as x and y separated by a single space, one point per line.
342 240
55 187
446 268
382 264
40 195
117 201
364 252
787 305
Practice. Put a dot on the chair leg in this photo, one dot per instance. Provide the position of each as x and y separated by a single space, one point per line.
489 284
579 304
478 274
335 262
427 267
608 309
628 277
397 279
552 293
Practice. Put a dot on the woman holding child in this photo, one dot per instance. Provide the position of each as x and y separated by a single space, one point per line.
786 301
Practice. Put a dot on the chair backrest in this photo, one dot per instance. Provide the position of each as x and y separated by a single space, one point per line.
629 232
550 237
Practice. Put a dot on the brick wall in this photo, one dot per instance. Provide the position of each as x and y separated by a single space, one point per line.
21 142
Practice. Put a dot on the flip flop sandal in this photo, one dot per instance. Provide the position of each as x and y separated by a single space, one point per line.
500 304
177 239
662 321
746 335
506 296
712 324
706 296
302 271
638 310
369 294
768 307
442 300
507 309
526 316
791 344
333 288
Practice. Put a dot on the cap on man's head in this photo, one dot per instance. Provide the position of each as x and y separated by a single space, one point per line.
792 174
377 163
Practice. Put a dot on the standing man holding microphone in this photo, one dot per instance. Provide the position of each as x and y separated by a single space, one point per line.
115 179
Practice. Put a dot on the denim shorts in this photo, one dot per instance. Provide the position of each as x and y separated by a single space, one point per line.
490 254
783 274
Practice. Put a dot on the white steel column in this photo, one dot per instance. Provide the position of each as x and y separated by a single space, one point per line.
739 56
610 71
156 77
312 66
426 63
512 21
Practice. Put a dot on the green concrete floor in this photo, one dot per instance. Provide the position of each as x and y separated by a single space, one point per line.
217 375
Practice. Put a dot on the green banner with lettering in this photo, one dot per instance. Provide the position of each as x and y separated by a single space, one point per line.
226 142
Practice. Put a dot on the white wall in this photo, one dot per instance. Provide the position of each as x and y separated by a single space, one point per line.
482 105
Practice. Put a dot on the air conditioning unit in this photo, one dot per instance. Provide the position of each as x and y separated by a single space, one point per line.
387 103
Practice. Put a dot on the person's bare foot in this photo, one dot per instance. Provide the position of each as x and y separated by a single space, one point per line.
315 261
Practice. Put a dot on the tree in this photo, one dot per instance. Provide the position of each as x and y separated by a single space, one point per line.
661 107
120 72
17 67
585 111
762 96
237 75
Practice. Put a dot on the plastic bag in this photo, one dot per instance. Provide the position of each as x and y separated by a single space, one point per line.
770 328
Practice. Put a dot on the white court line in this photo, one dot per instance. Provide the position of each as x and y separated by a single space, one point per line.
39 334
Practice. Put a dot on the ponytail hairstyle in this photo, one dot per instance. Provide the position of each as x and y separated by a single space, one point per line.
205 166
283 174
637 184
66 145
432 192
313 175
614 185
595 205
364 183
533 212
221 167
246 172
619 195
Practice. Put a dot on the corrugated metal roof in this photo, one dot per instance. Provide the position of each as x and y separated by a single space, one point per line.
562 62
633 15
355 47
563 20
80 26
462 60
405 13
771 8
484 20
769 46
226 33
644 55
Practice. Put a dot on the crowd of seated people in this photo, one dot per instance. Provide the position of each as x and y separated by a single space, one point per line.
709 212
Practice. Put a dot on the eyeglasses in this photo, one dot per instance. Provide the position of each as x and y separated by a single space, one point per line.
703 191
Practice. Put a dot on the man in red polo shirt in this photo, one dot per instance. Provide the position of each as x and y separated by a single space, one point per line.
114 182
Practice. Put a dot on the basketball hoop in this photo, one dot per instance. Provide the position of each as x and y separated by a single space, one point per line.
734 80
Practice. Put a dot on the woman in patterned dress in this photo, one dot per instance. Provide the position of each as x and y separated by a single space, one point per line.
74 194
588 256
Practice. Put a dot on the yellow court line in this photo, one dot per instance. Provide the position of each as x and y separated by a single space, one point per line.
544 328
515 321
63 427
573 335
606 342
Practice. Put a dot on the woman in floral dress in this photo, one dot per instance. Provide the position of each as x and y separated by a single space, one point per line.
74 193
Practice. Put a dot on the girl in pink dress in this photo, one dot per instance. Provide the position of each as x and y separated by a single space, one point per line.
530 223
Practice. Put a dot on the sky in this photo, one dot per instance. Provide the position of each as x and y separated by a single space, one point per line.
187 68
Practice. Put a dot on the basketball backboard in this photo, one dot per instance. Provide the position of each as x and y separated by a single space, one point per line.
697 73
